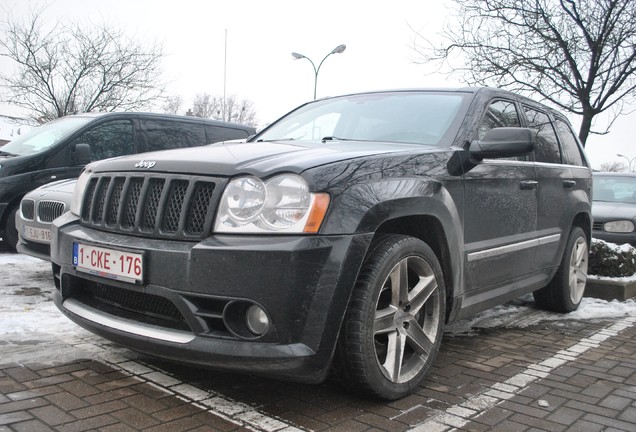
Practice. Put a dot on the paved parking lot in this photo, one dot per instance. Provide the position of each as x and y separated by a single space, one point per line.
549 375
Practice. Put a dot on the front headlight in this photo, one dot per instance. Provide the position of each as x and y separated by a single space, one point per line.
281 204
78 192
619 226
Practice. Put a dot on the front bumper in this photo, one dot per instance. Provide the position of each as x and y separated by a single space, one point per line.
190 307
617 238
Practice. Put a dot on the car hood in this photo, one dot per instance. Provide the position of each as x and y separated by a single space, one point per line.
54 190
604 211
257 158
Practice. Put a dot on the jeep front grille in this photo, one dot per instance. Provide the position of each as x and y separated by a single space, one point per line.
151 205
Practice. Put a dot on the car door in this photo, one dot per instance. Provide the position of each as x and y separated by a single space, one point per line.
562 174
500 211
553 178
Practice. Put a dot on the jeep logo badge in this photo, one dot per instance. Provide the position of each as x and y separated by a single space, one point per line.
145 164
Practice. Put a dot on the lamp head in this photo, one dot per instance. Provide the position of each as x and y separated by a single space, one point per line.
339 49
297 56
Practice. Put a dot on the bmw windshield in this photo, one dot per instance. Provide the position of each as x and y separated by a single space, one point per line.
412 117
45 136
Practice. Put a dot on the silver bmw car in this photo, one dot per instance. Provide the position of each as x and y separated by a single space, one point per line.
38 209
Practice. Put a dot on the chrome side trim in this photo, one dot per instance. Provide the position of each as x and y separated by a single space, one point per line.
127 326
515 247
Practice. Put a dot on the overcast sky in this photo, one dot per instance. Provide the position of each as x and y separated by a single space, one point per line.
261 36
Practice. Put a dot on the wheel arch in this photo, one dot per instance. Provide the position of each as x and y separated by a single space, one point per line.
430 230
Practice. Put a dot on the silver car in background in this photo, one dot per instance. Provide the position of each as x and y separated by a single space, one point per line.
38 209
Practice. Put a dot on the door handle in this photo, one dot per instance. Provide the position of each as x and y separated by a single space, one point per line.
528 184
568 184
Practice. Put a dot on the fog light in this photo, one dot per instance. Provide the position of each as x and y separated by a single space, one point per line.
257 321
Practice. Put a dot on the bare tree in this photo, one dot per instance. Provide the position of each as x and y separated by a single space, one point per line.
207 106
232 109
579 55
239 111
68 69
172 104
614 166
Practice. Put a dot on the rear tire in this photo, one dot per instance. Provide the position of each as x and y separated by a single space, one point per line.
10 232
393 326
565 291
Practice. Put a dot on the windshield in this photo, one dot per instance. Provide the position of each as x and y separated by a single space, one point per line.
42 137
614 189
400 117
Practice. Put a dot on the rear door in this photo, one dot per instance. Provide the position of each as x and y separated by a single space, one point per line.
555 183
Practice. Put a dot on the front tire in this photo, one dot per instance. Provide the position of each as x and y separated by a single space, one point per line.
565 291
393 326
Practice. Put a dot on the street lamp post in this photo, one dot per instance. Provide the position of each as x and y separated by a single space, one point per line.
337 50
629 161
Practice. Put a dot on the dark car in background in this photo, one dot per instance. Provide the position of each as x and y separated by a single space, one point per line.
614 207
341 238
61 148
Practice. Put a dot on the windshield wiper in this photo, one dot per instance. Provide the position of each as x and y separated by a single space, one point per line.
332 138
4 153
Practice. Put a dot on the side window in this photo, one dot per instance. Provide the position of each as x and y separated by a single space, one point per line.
500 113
110 139
571 151
166 134
219 133
547 149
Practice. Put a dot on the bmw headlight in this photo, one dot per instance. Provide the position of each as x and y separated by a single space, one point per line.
623 226
78 192
280 204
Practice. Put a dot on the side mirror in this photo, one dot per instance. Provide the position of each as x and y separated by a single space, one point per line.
82 154
497 143
503 143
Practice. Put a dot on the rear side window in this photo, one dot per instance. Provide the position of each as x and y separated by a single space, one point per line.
571 151
166 134
110 139
500 113
219 133
547 148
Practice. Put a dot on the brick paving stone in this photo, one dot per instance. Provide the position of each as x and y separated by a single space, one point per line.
615 402
585 426
628 415
21 374
183 410
508 426
31 426
121 393
120 427
51 415
22 405
88 424
338 415
14 417
9 385
381 423
303 421
29 394
415 416
144 403
609 421
79 388
349 426
98 410
565 416
66 401
217 423
135 418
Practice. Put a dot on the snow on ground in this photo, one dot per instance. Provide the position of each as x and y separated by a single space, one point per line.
30 322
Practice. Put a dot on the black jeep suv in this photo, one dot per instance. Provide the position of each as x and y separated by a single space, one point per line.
341 238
